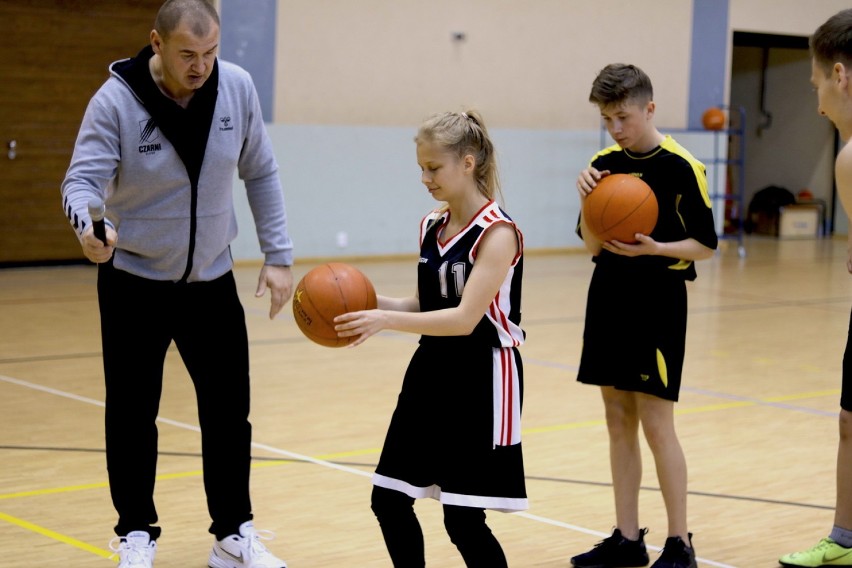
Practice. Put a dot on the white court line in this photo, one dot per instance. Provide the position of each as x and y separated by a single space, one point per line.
185 426
320 462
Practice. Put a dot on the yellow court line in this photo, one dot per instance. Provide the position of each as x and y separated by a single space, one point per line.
84 487
56 536
715 407
602 422
695 410
53 490
561 427
178 475
744 403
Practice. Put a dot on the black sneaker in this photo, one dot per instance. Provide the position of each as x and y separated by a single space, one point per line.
615 551
676 554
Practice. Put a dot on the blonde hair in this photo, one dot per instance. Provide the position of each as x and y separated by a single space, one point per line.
464 133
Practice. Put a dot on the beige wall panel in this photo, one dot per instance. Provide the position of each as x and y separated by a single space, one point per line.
524 64
786 17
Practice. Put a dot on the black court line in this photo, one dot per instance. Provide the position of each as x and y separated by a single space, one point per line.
690 492
99 354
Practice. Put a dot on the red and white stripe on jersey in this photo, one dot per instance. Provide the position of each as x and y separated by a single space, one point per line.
507 398
510 334
507 389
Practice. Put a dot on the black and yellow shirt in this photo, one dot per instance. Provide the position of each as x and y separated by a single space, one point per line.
679 183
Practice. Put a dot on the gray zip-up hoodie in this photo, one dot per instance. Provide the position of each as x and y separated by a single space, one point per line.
169 195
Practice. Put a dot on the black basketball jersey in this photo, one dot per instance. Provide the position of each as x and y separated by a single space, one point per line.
445 266
679 183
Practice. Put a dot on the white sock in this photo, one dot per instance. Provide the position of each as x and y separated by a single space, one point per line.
841 536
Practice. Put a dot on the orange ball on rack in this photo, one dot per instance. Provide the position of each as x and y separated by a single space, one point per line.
713 119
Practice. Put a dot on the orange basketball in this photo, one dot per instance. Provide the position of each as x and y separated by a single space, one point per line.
324 293
619 207
713 119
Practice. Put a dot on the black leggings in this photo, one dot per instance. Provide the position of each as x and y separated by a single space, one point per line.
404 537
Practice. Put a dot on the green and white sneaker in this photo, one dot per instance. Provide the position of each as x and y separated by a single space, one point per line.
825 553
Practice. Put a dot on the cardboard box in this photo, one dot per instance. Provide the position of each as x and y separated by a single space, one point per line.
799 222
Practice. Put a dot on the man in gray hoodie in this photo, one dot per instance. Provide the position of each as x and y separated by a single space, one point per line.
159 144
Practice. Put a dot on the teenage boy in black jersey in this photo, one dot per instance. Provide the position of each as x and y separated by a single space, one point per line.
642 285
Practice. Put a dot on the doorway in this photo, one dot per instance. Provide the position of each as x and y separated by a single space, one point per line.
787 143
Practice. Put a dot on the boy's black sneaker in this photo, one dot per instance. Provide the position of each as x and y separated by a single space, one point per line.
615 551
676 554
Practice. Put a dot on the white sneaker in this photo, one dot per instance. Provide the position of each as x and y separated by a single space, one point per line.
244 550
136 550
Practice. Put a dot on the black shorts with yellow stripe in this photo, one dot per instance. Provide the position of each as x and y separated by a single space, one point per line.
635 331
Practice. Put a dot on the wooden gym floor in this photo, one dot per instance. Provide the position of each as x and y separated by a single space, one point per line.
757 419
